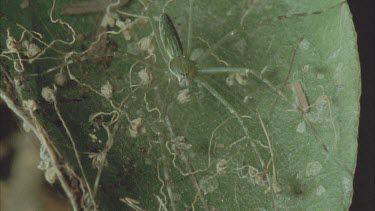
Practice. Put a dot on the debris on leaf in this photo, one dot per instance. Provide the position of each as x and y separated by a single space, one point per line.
31 49
137 127
60 79
179 144
145 76
48 94
29 105
107 90
147 44
221 166
240 78
98 160
184 96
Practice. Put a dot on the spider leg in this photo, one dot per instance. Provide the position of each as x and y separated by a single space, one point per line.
233 111
190 31
217 70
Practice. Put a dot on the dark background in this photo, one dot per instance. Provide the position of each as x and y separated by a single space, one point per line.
364 180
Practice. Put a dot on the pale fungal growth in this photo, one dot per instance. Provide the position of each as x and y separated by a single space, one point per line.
276 187
137 127
196 53
261 179
127 26
45 164
44 159
145 76
29 105
31 49
230 81
26 127
19 83
246 99
147 44
247 172
11 43
301 128
50 175
183 96
179 144
109 19
49 94
98 160
13 47
221 166
93 137
107 90
240 78
60 79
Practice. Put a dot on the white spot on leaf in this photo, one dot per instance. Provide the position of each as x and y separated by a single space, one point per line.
301 127
347 185
183 96
221 166
107 90
304 44
137 127
313 168
240 78
109 19
145 76
48 94
320 190
31 49
60 79
196 53
29 105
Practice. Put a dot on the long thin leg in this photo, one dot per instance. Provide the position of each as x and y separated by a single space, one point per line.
190 30
233 111
218 70
222 40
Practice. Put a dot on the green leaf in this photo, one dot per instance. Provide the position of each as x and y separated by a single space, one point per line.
184 150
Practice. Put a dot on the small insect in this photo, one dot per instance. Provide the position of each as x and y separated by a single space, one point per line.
301 99
185 69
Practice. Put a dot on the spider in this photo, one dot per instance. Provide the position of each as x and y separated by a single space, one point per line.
185 69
